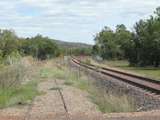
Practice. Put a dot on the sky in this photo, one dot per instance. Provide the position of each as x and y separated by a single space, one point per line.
71 20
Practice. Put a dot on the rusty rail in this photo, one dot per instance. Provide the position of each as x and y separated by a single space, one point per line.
136 80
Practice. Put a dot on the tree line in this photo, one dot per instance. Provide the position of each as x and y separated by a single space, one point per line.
39 47
141 47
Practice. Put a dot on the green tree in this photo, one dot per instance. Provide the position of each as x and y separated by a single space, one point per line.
112 45
141 47
147 42
106 44
40 47
123 38
8 42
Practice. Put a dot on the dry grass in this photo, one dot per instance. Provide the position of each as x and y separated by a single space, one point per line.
109 102
12 75
21 95
15 73
106 102
17 82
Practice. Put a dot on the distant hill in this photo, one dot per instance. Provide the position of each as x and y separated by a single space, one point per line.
72 44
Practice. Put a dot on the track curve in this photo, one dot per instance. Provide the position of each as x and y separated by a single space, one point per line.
142 82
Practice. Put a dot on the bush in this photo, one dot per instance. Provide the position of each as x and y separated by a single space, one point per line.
13 72
20 95
12 58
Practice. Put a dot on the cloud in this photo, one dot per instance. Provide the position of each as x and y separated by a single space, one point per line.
73 20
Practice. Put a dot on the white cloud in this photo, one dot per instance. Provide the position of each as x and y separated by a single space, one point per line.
71 19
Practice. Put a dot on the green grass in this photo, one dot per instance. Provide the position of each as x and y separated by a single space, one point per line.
150 72
78 80
19 95
14 90
52 73
71 77
1 67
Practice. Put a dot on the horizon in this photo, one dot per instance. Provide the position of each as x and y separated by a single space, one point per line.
71 21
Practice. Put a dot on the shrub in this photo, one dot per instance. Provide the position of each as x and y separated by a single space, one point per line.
12 58
14 71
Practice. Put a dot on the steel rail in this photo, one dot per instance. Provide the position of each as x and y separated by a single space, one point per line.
139 81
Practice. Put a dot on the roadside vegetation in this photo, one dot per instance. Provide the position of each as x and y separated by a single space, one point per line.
111 103
19 95
17 85
106 102
18 75
141 47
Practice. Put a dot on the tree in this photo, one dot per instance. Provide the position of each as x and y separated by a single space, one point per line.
147 41
8 42
106 44
141 47
123 38
40 47
96 50
157 12
112 45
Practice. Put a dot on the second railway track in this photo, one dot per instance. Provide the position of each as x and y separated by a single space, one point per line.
142 82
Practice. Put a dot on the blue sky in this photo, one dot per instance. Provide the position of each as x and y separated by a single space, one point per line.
71 20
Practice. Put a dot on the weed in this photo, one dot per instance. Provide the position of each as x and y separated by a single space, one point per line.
55 88
77 78
108 103
52 73
20 95
69 83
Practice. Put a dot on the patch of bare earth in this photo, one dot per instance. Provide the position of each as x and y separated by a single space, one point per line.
47 106
78 105
151 115
50 106
13 113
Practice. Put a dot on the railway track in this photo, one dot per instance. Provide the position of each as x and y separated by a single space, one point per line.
30 116
153 86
